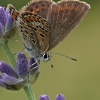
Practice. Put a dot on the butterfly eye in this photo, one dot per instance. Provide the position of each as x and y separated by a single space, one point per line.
42 35
46 56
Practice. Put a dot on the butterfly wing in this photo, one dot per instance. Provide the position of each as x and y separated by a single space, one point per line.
39 7
34 31
64 17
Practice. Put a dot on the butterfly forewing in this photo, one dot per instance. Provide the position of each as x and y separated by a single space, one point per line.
65 16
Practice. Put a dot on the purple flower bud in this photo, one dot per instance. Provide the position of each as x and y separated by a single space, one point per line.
2 83
60 97
10 22
22 65
9 79
1 30
7 24
12 80
2 16
12 83
44 97
5 68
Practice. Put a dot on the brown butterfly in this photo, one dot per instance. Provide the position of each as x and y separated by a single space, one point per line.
43 24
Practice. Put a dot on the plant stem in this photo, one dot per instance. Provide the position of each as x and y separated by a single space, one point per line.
8 53
29 92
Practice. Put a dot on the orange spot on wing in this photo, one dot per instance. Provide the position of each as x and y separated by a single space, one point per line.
15 15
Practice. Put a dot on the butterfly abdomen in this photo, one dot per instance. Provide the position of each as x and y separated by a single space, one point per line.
13 11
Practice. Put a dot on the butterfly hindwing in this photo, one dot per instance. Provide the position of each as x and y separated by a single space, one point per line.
65 16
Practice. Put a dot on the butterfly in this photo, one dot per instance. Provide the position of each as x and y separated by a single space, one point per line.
43 24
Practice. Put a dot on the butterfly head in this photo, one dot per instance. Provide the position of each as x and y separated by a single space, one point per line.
46 56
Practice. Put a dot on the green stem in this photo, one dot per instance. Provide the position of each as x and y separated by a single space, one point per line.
29 92
8 53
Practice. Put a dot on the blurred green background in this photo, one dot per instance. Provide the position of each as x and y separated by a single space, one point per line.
76 80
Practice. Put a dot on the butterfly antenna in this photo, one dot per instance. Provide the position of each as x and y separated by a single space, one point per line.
18 42
19 51
64 56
